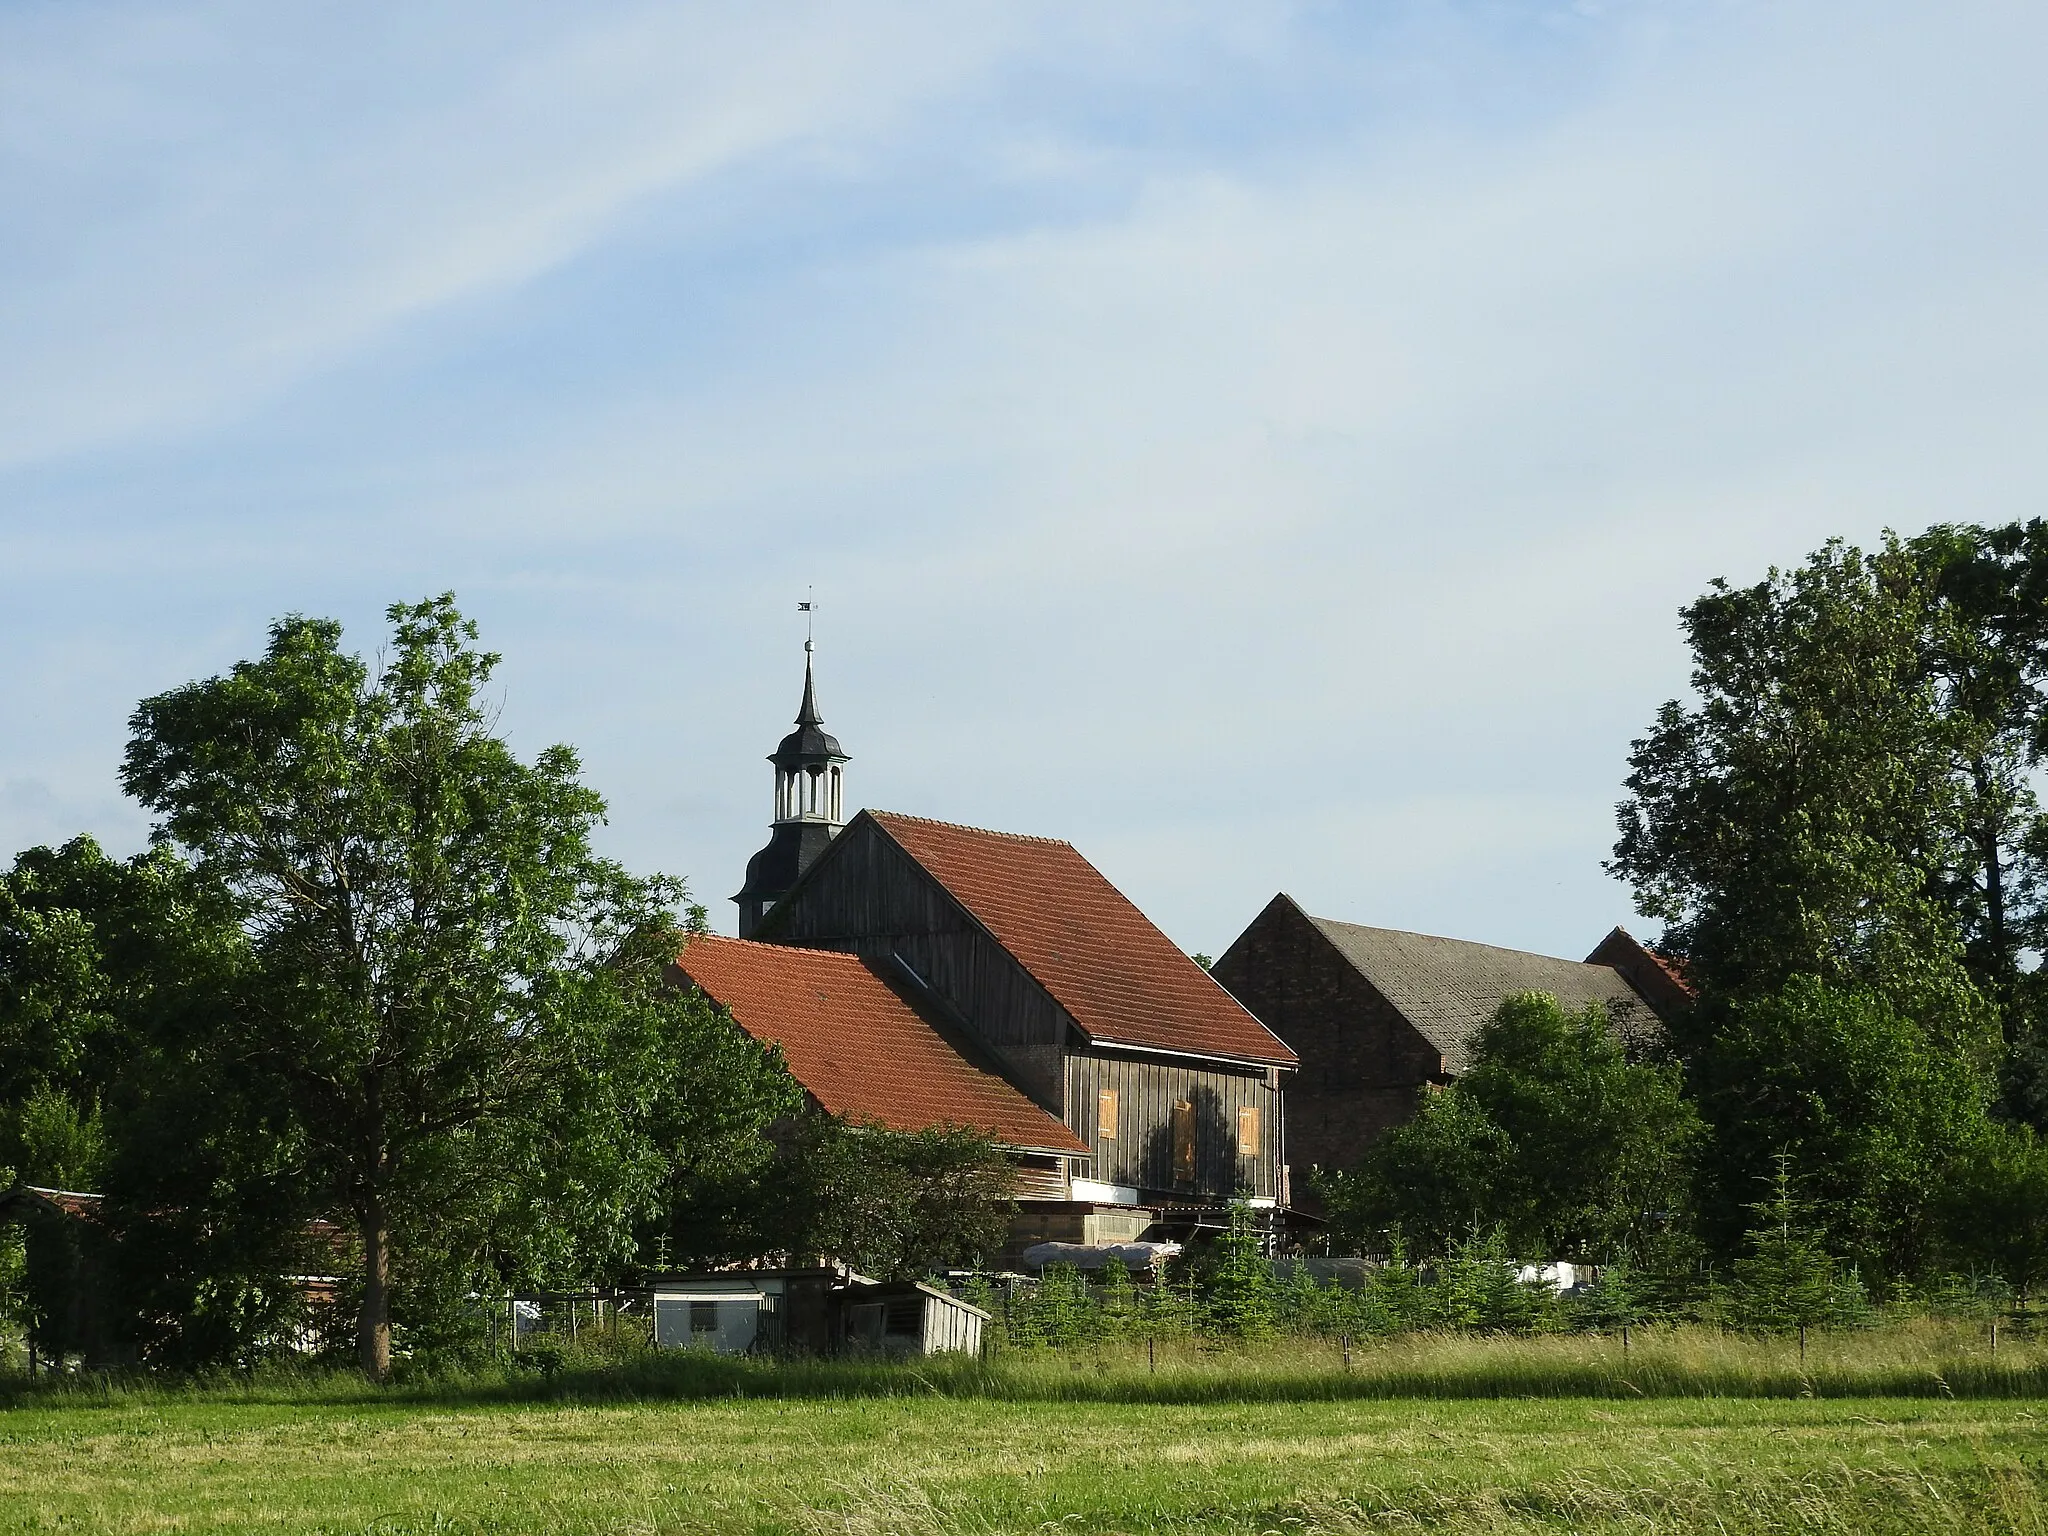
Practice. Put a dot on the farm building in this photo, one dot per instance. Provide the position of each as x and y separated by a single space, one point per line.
1376 1014
1043 970
1000 959
818 1311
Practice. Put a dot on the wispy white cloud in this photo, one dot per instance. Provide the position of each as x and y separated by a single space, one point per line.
251 194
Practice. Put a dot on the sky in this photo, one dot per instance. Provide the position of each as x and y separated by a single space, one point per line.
1267 445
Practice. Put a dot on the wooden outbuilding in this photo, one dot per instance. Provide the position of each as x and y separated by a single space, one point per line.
1376 1015
812 1311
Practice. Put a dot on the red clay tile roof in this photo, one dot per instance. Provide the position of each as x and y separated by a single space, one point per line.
1120 978
65 1202
858 1046
1660 979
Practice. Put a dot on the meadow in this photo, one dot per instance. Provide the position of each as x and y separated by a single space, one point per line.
1909 1429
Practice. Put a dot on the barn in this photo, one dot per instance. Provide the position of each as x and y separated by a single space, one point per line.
1377 1014
1034 960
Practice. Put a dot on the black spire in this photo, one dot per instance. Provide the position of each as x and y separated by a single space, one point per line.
808 747
807 712
809 807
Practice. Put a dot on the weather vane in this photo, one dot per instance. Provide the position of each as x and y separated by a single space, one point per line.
807 607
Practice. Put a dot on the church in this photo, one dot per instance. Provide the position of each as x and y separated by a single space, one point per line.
917 972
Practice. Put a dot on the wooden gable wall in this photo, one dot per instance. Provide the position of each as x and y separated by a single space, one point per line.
866 896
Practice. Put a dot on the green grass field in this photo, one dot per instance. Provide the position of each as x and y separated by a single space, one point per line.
1919 1432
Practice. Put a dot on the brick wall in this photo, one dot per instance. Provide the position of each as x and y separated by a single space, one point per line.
1362 1063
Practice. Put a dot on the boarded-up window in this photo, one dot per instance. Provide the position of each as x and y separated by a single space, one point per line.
905 1317
1183 1142
1105 1114
1248 1130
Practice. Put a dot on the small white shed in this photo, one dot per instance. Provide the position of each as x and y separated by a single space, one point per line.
715 1314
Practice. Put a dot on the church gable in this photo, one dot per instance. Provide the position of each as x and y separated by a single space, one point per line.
1085 1004
1120 979
867 896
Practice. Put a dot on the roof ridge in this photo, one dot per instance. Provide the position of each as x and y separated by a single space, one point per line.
1445 938
961 826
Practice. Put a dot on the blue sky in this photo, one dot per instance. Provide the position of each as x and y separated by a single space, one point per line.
1264 444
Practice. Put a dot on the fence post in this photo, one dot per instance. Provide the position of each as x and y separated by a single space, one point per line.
1802 1345
1152 1355
1994 1334
1624 1341
1344 1340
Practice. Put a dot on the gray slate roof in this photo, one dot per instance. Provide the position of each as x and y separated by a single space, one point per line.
1448 988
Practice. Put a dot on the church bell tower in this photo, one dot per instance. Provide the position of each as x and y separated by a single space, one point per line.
810 808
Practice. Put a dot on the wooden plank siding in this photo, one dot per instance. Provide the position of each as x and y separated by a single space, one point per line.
874 901
866 896
1141 1154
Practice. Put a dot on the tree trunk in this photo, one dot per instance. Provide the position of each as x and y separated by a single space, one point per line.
373 1334
1995 934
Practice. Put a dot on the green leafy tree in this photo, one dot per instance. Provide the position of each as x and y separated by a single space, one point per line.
727 1121
55 1143
92 950
1988 652
1869 1107
1431 1177
1831 832
1552 1135
447 994
1801 816
104 965
895 1204
1994 1207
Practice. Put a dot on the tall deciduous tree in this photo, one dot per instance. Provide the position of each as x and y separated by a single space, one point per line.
1828 831
1992 658
448 992
1801 817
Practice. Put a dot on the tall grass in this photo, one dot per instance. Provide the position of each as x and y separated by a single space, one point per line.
1925 1358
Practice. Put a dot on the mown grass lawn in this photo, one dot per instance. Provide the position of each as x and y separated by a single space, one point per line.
948 1464
1456 1435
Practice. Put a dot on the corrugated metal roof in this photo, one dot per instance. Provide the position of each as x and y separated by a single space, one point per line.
1117 975
1448 988
861 1048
